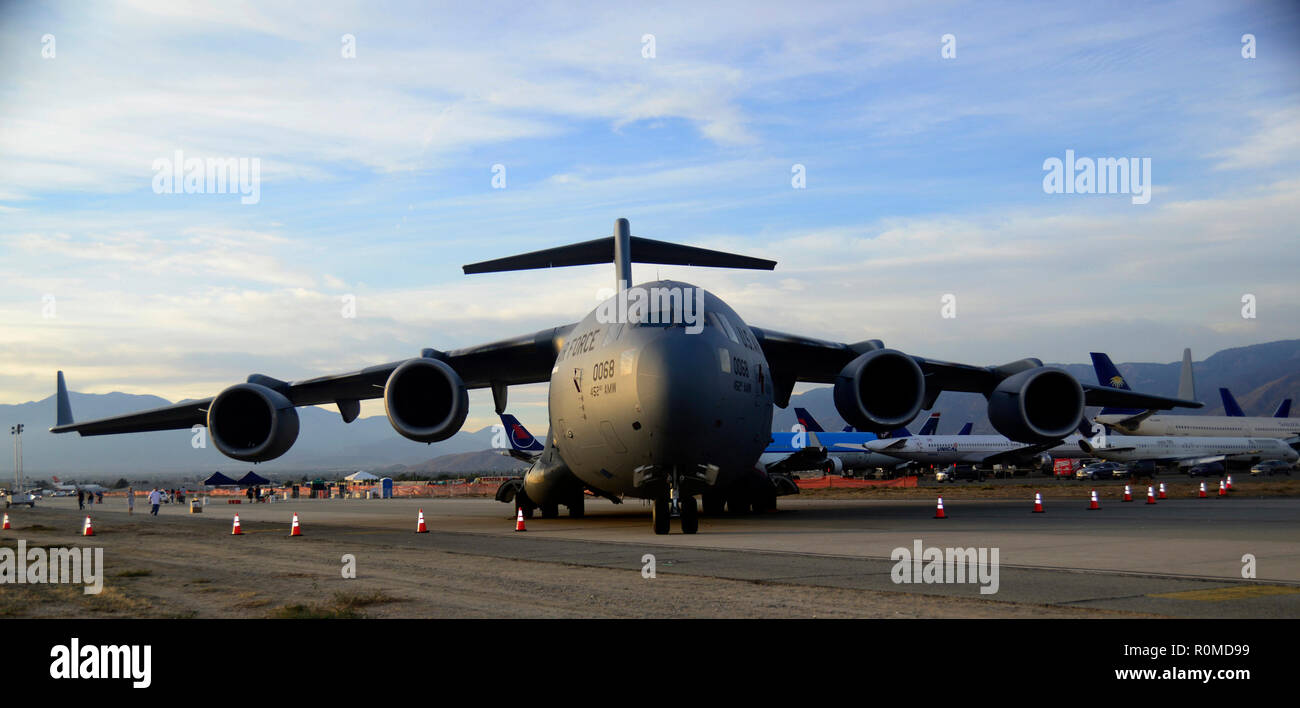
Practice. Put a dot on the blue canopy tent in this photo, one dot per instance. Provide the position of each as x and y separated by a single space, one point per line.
219 480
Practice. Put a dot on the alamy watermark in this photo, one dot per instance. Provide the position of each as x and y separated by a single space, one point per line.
40 565
935 565
213 175
1103 175
665 306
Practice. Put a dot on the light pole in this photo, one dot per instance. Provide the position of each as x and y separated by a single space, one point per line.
16 430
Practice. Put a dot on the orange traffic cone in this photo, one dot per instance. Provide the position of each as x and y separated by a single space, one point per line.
295 530
519 521
1223 491
1128 494
938 512
6 526
1151 495
1229 485
1094 506
1203 495
235 531
1038 503
1161 495
87 529
419 526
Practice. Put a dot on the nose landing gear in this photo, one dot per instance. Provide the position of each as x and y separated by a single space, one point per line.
674 503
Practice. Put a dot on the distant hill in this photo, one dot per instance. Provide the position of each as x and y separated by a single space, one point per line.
1260 376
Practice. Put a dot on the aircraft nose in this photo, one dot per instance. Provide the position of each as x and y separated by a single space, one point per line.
678 378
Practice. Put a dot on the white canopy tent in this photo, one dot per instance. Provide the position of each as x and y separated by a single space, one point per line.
361 476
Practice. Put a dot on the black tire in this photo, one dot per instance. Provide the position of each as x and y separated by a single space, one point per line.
577 508
660 516
690 515
714 504
738 504
550 511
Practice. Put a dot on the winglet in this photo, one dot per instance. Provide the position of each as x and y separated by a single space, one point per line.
64 414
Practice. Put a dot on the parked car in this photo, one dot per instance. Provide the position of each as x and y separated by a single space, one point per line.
1101 470
1209 469
1271 467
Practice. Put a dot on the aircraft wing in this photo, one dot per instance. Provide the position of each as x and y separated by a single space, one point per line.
1020 453
796 358
806 459
520 360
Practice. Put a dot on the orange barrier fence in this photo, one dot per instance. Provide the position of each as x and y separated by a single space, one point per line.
833 482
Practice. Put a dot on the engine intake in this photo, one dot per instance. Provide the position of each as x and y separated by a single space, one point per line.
1038 405
426 400
880 390
253 423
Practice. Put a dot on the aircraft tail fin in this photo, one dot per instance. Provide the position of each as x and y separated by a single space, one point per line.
520 438
1230 405
808 422
63 416
622 249
931 424
1187 382
1108 375
965 429
1283 409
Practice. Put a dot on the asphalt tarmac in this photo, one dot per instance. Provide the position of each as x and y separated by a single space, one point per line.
1180 557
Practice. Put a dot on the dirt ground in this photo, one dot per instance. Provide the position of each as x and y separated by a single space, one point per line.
179 568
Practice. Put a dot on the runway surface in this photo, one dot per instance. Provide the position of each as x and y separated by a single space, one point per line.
1180 557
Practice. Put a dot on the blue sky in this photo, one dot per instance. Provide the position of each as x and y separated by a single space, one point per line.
924 177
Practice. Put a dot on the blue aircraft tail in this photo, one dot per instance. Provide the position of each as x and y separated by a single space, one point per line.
1283 409
520 438
931 425
1230 405
808 422
1108 375
965 429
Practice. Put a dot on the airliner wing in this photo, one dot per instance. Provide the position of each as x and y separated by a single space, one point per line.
520 360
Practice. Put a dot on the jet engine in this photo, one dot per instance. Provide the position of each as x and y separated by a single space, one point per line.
879 391
253 423
1037 405
426 400
833 465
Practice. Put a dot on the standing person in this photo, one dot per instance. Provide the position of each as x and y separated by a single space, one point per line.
155 498
249 493
130 501
100 497
81 499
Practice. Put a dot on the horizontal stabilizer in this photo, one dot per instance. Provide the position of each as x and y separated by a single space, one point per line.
601 250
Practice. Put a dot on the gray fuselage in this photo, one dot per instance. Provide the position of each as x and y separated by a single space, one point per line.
631 400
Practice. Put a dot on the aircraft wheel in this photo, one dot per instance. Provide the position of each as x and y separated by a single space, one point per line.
661 516
550 511
576 508
714 504
738 504
690 515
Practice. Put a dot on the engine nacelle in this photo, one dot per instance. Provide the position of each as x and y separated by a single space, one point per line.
253 423
880 391
1038 405
426 400
833 465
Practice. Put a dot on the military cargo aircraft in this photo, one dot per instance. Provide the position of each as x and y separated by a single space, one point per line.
663 392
